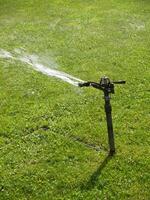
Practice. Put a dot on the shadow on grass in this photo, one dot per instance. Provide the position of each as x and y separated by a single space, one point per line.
95 176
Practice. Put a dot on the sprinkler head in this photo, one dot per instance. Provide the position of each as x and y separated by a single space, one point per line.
105 84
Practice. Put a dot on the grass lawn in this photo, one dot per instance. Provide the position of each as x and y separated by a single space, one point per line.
49 130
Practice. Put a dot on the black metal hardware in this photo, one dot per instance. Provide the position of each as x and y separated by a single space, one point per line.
107 87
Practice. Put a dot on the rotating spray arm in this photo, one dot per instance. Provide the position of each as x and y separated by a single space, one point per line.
89 83
105 84
119 82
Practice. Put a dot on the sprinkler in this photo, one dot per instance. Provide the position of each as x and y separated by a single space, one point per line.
107 87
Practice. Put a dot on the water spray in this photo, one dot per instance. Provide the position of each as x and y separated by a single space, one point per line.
34 62
107 86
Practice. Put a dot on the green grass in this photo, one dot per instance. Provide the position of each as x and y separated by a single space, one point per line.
46 124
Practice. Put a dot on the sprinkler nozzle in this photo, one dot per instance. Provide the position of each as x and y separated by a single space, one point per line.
84 84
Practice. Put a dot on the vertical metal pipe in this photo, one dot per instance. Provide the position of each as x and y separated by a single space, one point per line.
108 110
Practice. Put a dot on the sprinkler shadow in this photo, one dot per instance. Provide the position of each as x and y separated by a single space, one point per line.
95 176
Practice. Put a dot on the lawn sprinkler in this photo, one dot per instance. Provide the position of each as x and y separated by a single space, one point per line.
107 87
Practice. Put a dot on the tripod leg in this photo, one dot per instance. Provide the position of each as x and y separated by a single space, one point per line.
109 127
